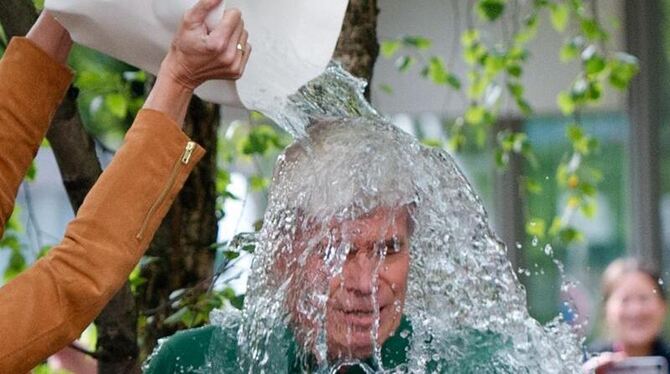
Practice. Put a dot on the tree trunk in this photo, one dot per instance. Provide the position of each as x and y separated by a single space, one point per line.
17 16
358 46
183 244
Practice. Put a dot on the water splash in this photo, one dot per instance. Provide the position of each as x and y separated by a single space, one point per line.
376 253
335 93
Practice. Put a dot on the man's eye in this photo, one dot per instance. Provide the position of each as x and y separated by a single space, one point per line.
393 246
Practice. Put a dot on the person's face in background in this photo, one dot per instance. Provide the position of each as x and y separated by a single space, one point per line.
371 285
635 311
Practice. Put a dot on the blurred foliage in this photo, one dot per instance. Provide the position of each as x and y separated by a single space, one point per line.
495 70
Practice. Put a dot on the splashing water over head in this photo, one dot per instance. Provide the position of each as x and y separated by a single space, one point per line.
376 252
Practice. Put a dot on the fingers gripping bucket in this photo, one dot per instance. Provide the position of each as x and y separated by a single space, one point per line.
293 40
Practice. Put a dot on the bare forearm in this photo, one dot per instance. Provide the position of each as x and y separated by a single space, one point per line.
51 37
169 97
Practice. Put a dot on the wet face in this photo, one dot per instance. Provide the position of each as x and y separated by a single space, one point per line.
635 311
371 285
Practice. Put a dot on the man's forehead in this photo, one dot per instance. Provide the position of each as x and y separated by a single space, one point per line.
380 223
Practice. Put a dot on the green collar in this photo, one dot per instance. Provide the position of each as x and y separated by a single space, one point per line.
393 352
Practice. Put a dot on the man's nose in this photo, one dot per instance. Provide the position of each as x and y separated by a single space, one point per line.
359 271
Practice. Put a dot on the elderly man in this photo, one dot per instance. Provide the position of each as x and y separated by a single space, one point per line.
50 304
375 256
328 290
320 271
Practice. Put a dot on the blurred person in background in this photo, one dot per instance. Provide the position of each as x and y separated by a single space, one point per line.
634 307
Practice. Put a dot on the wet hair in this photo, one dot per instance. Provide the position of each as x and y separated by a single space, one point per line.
621 267
347 168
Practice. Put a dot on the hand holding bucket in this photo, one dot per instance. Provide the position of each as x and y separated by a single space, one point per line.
293 40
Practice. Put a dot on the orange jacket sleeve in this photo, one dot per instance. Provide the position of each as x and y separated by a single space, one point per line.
31 87
50 304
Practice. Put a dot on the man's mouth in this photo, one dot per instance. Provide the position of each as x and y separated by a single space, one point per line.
359 317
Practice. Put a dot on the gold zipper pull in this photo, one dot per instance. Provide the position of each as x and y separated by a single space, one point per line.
190 146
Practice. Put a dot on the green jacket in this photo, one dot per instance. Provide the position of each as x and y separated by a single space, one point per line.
213 349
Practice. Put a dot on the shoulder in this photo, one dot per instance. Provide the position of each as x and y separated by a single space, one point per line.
661 348
600 347
185 350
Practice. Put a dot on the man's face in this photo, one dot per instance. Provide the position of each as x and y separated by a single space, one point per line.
371 285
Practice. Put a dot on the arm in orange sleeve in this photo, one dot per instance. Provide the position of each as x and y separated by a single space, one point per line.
50 304
32 84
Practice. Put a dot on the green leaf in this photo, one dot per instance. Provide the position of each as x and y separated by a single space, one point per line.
536 227
490 10
475 114
592 30
387 88
574 132
17 264
594 63
528 32
519 141
453 81
260 140
595 91
588 189
494 63
556 225
559 16
568 52
478 85
589 208
117 104
515 70
403 63
516 89
389 48
474 53
456 142
231 255
579 89
623 68
32 172
469 37
569 235
436 70
259 183
566 103
501 158
418 42
238 302
135 76
533 186
524 106
572 48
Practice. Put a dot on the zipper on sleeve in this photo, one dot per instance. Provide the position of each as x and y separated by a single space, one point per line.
185 158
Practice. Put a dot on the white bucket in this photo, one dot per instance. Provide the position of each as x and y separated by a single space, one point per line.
293 40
